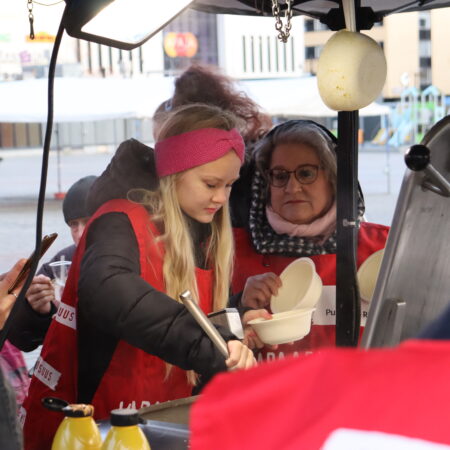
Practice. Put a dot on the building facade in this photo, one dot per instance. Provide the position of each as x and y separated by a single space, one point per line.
414 45
244 47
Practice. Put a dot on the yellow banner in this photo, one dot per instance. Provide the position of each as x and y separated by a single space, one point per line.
41 37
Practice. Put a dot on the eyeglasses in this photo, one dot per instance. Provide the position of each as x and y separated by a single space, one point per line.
305 174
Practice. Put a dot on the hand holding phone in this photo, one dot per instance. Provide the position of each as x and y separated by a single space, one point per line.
45 244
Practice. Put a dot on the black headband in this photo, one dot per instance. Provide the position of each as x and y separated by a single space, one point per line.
296 122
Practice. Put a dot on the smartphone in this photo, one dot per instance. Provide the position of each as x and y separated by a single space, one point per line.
45 244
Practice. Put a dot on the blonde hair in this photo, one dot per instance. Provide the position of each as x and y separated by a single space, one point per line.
179 269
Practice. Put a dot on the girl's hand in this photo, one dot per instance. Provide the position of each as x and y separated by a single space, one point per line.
259 289
251 339
241 357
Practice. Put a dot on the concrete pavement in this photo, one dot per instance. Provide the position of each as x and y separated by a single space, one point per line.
380 175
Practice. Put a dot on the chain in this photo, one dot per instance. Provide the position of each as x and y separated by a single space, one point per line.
48 4
283 35
31 18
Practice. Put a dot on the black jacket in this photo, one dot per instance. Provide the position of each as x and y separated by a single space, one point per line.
115 302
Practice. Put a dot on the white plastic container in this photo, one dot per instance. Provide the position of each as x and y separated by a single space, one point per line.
301 289
288 326
368 274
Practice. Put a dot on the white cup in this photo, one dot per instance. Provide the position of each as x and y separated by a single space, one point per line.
60 271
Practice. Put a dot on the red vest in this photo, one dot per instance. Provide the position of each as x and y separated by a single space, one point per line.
372 237
297 403
133 378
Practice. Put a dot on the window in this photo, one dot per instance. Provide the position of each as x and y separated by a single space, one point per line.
309 25
310 52
424 35
89 52
265 54
425 61
244 54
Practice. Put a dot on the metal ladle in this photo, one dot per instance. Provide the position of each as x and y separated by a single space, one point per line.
204 322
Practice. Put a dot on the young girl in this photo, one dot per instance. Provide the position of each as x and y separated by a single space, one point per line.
121 337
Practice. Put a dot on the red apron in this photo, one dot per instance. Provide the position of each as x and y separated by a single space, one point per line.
133 378
371 238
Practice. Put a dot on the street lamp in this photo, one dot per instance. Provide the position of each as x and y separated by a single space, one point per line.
125 24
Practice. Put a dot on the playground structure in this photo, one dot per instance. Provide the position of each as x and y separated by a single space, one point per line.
412 117
415 114
409 121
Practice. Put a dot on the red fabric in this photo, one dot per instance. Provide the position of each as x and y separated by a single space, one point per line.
296 403
134 378
371 238
194 148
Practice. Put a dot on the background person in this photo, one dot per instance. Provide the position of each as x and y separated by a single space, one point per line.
207 84
292 214
124 321
33 318
10 431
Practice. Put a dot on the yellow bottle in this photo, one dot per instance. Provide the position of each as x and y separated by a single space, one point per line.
125 433
77 431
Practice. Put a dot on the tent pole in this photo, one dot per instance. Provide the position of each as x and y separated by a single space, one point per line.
348 308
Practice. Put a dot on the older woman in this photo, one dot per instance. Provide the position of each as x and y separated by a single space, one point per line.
292 214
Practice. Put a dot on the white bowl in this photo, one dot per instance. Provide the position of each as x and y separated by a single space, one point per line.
302 287
288 326
368 274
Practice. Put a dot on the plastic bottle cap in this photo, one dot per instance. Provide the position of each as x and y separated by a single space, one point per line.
125 417
78 410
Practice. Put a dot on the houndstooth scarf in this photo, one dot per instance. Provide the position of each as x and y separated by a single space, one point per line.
267 242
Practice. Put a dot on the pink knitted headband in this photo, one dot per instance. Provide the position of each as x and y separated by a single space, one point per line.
195 148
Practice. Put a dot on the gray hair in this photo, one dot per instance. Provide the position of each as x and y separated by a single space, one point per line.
299 132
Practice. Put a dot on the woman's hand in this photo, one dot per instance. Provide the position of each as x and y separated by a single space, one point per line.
259 289
251 339
40 294
7 300
241 357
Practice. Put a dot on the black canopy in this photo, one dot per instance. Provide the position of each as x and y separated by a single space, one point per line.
317 9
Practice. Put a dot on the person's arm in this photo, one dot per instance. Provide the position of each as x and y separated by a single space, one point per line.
7 300
114 298
258 290
30 327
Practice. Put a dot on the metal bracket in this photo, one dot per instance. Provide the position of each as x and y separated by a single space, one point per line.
351 223
418 159
435 182
389 324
